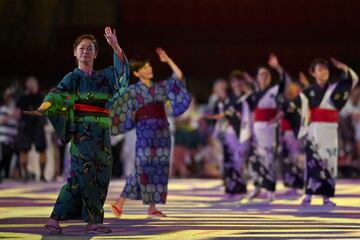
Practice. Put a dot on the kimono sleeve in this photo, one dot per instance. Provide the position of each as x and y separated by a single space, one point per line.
297 112
122 113
342 91
177 94
118 75
60 114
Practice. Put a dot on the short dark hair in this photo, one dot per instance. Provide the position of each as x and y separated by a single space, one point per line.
88 37
236 74
264 66
137 63
318 61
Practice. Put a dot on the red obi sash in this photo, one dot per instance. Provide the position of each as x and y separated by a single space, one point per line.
85 108
323 115
151 111
285 125
265 114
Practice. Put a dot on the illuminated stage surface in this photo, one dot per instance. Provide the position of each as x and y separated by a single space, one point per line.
196 209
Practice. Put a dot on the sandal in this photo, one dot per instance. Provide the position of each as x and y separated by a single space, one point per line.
156 214
53 229
97 229
116 211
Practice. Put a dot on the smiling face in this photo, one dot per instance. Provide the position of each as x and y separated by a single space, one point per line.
85 51
321 73
145 72
263 78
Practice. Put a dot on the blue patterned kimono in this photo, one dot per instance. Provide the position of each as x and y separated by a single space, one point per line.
142 107
83 196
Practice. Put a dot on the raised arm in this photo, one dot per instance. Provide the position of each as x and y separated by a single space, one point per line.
121 65
350 75
166 59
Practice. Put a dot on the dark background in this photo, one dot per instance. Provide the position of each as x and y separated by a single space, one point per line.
207 38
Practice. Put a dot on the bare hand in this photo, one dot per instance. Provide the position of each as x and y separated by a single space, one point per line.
33 113
303 79
274 61
162 55
247 77
339 65
110 36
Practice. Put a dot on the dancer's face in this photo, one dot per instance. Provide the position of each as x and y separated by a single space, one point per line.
145 73
321 74
85 52
220 90
237 85
263 78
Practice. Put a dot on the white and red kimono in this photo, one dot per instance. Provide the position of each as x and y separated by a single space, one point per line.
315 114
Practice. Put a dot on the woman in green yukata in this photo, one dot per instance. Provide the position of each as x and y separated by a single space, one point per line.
78 109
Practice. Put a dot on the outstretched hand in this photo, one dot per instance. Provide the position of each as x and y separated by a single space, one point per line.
39 112
340 65
33 113
162 55
110 36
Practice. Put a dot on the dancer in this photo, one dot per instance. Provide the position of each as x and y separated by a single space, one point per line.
292 151
77 108
323 100
264 103
142 107
234 118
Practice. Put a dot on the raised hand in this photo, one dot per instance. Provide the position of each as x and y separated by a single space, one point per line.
162 55
340 65
274 61
303 79
248 77
110 36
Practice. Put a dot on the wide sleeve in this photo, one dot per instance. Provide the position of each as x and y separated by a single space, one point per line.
343 88
61 113
284 83
122 113
118 75
177 94
297 113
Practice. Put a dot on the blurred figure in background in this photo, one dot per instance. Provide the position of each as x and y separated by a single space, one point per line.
349 141
234 117
8 131
31 128
187 141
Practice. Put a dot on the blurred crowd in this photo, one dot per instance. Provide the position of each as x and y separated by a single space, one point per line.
30 149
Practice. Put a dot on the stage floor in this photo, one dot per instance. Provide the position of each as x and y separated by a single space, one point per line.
196 208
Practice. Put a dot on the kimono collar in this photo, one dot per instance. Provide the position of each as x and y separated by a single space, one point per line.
140 83
319 88
82 73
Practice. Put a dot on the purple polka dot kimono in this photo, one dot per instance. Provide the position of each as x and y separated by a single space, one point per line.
142 107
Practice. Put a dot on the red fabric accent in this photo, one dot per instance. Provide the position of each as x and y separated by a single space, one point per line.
90 108
118 211
285 125
265 114
151 111
144 179
324 115
153 152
